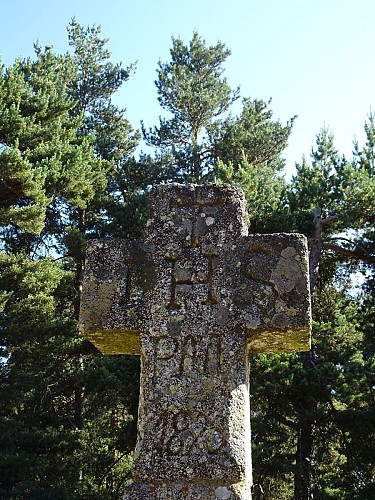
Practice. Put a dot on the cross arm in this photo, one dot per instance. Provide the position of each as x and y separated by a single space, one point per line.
274 294
117 273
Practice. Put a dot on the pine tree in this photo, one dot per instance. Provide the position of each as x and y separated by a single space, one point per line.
37 435
192 88
38 140
248 152
55 164
203 143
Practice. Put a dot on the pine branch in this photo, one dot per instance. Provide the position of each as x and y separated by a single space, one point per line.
328 220
365 257
287 422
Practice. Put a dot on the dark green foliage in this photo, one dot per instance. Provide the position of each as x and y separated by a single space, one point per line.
318 406
119 208
248 154
44 454
313 186
328 394
94 80
337 187
36 388
264 190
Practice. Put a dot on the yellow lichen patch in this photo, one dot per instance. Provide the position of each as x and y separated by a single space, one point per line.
278 340
115 341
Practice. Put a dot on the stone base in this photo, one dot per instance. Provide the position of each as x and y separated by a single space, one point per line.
187 491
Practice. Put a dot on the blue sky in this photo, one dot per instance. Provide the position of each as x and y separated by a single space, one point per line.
315 58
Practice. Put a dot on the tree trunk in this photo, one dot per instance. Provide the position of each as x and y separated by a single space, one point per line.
79 388
79 396
316 246
196 159
304 477
303 484
80 266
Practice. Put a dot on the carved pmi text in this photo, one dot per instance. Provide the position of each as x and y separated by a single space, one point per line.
191 354
201 360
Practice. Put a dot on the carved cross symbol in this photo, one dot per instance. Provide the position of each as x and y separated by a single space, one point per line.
194 298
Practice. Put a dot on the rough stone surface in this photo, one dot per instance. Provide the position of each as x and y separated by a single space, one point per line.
194 298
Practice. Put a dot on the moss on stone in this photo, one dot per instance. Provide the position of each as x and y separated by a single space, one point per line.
278 340
115 341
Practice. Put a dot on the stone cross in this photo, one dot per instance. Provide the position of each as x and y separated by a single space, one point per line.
194 299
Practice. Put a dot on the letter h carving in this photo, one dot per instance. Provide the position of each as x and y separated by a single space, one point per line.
207 280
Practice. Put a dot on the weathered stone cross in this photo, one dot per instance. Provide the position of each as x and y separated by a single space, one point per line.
194 298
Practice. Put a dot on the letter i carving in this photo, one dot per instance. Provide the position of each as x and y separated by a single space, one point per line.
194 232
126 298
211 296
